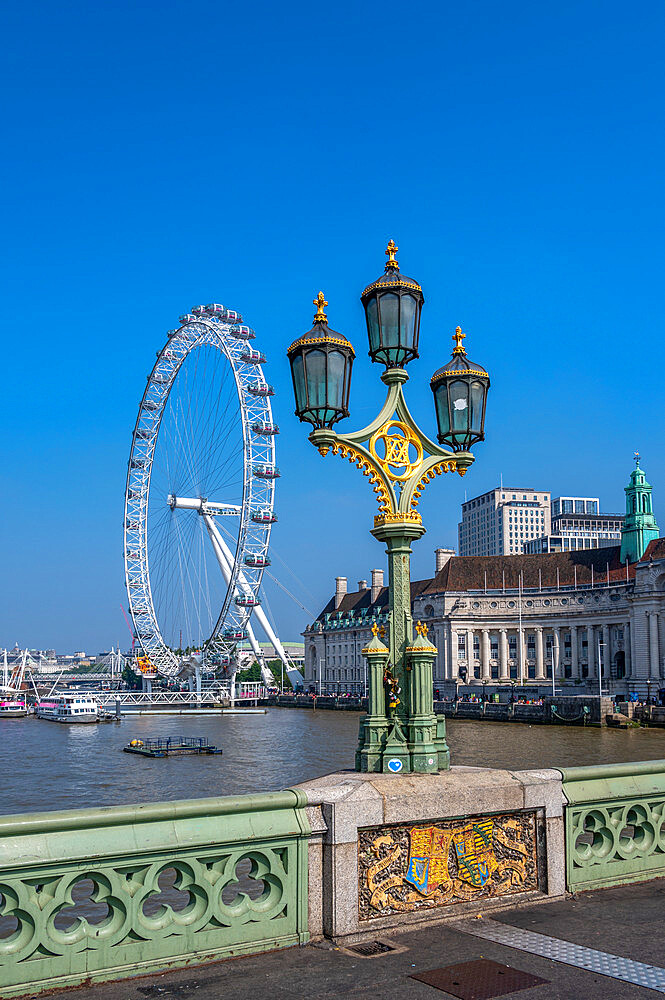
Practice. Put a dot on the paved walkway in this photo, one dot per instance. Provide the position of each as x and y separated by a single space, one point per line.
627 922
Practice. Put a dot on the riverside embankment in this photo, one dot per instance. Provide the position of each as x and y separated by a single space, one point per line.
561 709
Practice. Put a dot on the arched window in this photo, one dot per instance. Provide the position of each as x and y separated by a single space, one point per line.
428 610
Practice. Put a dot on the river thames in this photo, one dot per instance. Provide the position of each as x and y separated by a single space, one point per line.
45 765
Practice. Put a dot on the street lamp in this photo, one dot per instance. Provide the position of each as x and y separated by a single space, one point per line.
400 733
321 362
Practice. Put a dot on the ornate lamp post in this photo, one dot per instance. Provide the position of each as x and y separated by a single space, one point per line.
400 733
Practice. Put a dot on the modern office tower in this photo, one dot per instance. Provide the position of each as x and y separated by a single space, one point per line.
578 524
501 521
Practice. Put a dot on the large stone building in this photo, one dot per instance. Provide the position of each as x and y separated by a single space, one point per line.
503 619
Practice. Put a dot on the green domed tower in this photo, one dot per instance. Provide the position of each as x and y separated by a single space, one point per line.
640 526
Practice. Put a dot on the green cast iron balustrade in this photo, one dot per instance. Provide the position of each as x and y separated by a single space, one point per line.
107 893
615 823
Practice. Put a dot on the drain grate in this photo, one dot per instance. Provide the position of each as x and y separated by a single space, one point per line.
478 980
368 949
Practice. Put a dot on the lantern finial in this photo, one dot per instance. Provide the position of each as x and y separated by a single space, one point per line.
390 252
458 337
320 303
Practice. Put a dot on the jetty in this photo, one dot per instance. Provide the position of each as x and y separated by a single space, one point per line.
170 746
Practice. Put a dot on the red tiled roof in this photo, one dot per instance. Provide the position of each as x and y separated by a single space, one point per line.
654 550
462 573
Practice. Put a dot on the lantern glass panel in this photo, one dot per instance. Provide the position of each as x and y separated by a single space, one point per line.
442 414
459 408
390 320
372 313
299 382
316 378
477 401
408 307
336 380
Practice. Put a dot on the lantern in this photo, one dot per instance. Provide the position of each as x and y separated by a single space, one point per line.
321 362
392 309
460 394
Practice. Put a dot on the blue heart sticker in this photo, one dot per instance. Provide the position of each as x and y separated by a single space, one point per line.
395 766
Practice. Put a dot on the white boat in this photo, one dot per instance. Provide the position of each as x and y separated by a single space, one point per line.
73 707
12 708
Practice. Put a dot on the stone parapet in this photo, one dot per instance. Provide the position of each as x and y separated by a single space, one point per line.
402 849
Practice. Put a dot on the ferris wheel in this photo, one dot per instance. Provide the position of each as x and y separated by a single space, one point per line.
199 499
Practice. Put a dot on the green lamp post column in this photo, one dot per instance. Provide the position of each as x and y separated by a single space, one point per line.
373 730
400 733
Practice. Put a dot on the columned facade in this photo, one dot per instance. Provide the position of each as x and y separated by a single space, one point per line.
490 639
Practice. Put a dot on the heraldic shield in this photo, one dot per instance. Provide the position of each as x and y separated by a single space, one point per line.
429 852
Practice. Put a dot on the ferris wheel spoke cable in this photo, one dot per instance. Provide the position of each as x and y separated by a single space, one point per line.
218 471
294 575
274 578
206 427
185 415
187 578
208 430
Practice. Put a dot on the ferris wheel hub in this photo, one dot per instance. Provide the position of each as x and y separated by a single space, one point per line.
202 505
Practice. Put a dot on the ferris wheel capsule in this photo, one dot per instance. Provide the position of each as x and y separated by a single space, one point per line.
261 428
247 601
266 472
256 559
231 316
264 517
254 357
198 310
243 333
215 309
235 634
260 389
186 318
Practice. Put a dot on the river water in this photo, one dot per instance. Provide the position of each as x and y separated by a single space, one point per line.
45 765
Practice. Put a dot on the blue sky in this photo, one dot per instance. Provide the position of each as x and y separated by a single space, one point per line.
157 156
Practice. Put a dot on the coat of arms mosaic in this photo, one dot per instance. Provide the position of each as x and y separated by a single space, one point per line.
404 868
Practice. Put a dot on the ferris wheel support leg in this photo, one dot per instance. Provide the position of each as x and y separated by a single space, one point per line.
225 560
219 543
198 684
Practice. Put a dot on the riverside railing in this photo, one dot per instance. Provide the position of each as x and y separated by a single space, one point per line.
96 894
614 823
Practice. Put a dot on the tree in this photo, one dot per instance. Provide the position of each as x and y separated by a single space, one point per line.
252 673
276 667
129 677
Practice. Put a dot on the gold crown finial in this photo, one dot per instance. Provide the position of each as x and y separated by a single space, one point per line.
458 337
320 303
391 250
422 629
375 630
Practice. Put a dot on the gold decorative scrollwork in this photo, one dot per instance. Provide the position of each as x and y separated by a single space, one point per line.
361 462
436 470
397 438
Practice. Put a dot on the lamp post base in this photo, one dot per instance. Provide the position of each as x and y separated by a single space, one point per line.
395 747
